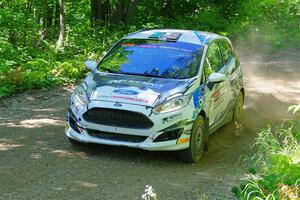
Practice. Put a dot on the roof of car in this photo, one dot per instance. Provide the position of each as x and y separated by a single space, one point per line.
189 36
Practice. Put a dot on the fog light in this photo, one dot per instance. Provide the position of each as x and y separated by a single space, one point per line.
183 140
170 135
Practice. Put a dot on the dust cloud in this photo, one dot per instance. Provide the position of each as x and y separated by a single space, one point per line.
272 81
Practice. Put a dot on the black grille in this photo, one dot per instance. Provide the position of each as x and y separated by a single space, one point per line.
73 124
120 118
116 136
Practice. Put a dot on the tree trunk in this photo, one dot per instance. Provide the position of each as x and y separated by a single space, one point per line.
60 40
130 11
48 16
123 11
99 12
117 12
56 14
29 6
103 13
94 6
167 9
12 35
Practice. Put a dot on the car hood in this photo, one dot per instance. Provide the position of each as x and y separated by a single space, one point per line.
140 90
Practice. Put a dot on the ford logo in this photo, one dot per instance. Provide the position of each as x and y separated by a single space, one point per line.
125 92
117 104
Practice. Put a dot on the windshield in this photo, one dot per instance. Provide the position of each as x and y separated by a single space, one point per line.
153 58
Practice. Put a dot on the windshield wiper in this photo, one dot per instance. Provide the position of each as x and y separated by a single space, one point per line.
108 70
129 73
148 75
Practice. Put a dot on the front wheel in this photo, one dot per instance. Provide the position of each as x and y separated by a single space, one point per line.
194 153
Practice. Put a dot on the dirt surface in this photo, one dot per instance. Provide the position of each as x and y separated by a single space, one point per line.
38 162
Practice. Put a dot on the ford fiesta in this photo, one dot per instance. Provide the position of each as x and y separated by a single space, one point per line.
165 90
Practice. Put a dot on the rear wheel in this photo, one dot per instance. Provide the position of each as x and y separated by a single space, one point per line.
238 108
194 153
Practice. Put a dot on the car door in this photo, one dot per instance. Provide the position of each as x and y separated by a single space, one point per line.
215 92
230 71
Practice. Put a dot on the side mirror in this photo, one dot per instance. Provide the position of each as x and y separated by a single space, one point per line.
216 78
90 64
213 79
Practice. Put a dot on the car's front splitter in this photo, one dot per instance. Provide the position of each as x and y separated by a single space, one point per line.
148 144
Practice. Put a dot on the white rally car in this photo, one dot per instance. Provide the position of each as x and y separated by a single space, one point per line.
160 89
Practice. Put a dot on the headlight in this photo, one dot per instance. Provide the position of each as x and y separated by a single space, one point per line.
80 95
173 104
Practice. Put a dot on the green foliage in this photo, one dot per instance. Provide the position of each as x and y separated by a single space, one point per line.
278 162
270 22
29 31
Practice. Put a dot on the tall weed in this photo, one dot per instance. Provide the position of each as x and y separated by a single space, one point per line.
277 159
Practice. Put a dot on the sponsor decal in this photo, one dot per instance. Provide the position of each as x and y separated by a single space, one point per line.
156 46
172 117
130 99
138 45
74 107
180 124
216 95
123 98
198 97
125 92
202 37
176 49
135 83
103 97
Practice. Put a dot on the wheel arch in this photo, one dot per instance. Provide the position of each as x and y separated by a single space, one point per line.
243 92
206 121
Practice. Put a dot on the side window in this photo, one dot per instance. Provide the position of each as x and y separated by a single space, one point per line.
213 61
207 70
226 51
214 57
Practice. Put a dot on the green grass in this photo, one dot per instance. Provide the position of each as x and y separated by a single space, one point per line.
276 174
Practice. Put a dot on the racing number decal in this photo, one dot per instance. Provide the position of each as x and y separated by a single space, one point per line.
217 97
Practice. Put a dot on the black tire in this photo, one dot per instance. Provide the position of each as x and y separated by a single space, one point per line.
194 153
74 142
238 108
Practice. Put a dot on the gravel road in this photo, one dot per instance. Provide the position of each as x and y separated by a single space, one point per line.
37 161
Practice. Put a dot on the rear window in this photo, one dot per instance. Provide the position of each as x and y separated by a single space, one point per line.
153 58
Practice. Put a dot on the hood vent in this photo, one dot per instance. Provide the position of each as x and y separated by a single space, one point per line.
173 37
156 35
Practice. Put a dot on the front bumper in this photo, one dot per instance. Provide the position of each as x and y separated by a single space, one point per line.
148 144
163 123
